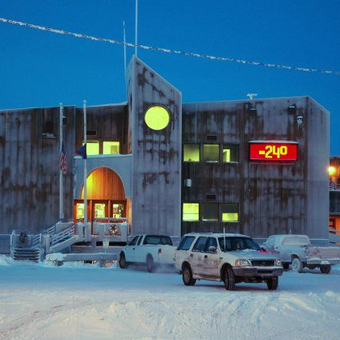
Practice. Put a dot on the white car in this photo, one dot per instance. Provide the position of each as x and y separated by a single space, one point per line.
298 251
153 250
230 258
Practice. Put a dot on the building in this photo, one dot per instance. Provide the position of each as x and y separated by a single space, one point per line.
257 167
334 195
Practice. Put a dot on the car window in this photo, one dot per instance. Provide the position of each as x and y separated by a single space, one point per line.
134 241
269 241
237 243
139 241
186 243
212 242
156 239
296 240
200 244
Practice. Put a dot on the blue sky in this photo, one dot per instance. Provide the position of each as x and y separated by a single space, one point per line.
42 69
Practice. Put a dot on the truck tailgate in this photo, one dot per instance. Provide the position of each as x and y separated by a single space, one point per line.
324 253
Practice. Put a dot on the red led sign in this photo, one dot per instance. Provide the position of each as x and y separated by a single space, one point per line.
273 151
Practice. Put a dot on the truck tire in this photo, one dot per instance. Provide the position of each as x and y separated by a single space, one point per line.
273 283
325 268
229 278
297 265
122 261
150 264
187 278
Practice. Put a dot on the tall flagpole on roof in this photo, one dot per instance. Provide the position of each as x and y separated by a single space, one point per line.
85 175
61 188
136 28
124 39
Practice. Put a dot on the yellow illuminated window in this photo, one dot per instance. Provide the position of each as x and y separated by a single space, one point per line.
191 212
230 212
211 152
157 118
230 153
80 211
117 210
92 147
191 153
99 210
110 148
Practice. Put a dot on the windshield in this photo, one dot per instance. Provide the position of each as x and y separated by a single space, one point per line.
237 243
296 241
155 240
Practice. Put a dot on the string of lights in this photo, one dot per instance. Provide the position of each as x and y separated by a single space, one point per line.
169 51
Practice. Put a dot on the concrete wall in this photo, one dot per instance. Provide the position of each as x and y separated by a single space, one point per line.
156 164
273 197
29 168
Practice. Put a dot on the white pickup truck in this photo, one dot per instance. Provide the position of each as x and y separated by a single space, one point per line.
153 250
230 258
298 251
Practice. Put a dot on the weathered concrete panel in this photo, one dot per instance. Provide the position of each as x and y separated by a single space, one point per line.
156 154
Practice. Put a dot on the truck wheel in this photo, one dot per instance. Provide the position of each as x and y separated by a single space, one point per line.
187 278
150 264
297 265
272 283
325 268
229 279
122 261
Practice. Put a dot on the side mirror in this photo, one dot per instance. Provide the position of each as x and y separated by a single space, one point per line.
212 249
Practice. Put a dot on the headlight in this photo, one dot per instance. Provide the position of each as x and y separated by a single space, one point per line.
278 262
242 263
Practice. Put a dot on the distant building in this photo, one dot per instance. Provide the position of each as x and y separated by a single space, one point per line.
252 166
334 195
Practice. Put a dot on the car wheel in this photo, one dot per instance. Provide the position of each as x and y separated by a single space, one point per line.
150 264
285 266
325 268
297 265
122 261
272 283
229 278
187 278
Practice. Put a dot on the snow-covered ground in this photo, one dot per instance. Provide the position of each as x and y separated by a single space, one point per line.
88 302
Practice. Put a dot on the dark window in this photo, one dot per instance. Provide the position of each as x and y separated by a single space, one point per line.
230 153
237 243
186 243
91 132
134 241
212 242
210 197
211 138
200 243
210 212
139 241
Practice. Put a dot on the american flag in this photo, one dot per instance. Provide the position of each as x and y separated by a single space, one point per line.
62 160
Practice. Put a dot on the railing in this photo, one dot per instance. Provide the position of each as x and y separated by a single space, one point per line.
63 235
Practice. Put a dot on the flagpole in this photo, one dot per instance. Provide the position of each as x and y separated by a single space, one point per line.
61 188
85 175
124 39
136 28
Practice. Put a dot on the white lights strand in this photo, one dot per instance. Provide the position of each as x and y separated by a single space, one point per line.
169 51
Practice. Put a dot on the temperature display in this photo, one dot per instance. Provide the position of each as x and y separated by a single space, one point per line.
273 151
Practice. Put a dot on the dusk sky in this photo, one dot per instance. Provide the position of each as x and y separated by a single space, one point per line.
40 69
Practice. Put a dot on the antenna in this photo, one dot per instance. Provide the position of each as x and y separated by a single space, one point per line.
251 96
136 28
124 38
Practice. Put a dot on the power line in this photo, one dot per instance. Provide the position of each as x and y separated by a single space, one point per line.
169 51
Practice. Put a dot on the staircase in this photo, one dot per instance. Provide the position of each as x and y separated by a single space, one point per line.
34 247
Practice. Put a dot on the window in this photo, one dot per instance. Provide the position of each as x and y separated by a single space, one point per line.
210 212
134 241
191 212
139 240
237 243
80 211
186 243
230 153
200 244
229 212
99 210
155 240
92 147
117 210
191 152
110 148
212 242
211 152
